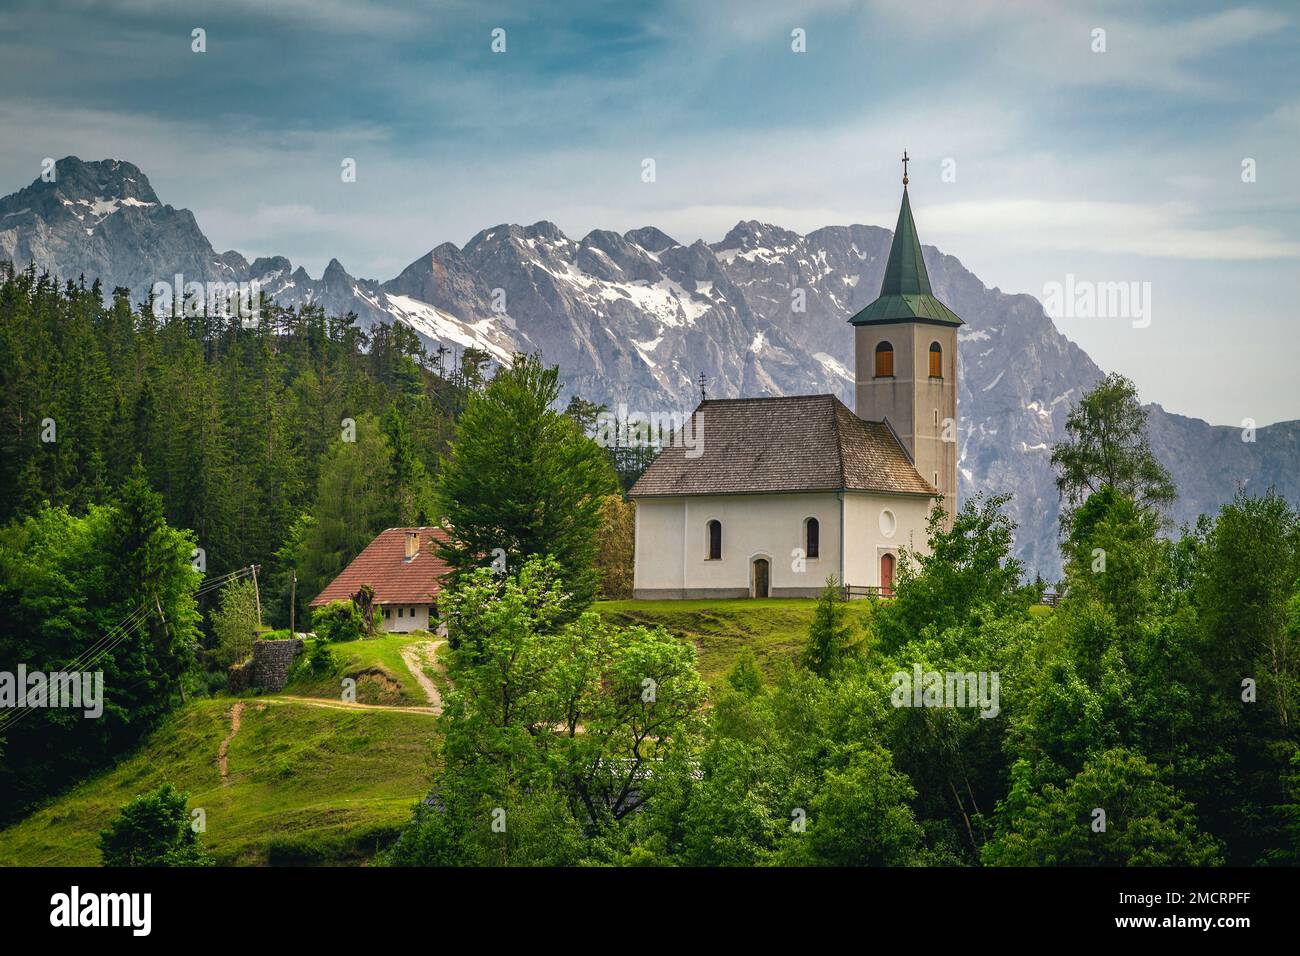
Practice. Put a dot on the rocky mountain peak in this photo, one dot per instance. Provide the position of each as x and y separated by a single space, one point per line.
545 230
265 267
105 179
651 239
335 273
752 234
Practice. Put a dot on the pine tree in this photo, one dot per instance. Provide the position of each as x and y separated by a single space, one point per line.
409 481
830 636
521 479
353 504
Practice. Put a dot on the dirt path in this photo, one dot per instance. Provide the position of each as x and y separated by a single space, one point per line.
345 705
223 761
415 656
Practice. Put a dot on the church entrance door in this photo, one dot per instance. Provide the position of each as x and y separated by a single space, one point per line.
760 577
887 575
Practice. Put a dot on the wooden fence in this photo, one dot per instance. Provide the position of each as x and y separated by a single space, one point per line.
851 591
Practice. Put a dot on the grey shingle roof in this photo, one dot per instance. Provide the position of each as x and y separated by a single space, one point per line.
800 443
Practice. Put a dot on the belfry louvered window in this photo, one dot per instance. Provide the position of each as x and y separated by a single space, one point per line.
936 360
884 360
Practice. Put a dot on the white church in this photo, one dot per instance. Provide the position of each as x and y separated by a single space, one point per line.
777 494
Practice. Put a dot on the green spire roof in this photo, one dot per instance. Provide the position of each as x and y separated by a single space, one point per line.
905 272
905 294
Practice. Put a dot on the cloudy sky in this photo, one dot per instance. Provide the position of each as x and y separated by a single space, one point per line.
1117 166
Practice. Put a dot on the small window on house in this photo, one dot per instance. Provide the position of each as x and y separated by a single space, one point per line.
884 360
936 360
813 538
399 611
715 540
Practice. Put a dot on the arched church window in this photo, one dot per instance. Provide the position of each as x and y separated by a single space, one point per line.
936 360
884 360
812 538
715 540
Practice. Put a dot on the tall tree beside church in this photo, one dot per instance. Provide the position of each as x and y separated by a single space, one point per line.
521 478
1107 447
1248 591
616 547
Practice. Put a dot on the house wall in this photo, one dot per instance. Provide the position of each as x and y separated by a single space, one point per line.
415 617
672 544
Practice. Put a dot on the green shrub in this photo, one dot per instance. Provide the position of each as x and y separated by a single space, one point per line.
338 621
153 830
319 849
320 659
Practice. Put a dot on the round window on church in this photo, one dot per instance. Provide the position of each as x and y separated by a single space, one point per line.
888 523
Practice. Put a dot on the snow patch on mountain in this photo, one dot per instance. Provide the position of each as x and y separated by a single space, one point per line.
441 326
834 365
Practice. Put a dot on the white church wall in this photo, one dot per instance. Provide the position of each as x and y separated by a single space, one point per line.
872 533
658 545
672 544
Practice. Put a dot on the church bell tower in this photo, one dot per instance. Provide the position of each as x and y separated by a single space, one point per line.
905 345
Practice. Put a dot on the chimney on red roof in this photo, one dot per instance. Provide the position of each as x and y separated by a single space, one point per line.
412 544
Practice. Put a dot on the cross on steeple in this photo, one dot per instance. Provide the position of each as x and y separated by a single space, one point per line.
905 161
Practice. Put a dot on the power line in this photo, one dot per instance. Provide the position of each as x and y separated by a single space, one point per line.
76 662
114 637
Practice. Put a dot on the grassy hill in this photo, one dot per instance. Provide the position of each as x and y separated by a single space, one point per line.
775 629
305 784
320 783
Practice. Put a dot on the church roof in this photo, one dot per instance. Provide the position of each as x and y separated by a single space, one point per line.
905 294
800 443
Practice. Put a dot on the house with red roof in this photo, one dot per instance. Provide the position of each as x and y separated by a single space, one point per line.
404 570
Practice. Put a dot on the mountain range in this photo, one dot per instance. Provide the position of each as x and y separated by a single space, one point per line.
635 319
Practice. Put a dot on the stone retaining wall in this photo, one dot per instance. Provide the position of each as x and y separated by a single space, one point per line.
267 669
272 661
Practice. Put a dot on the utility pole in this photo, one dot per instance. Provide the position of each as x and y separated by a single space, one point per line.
180 683
257 593
293 601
